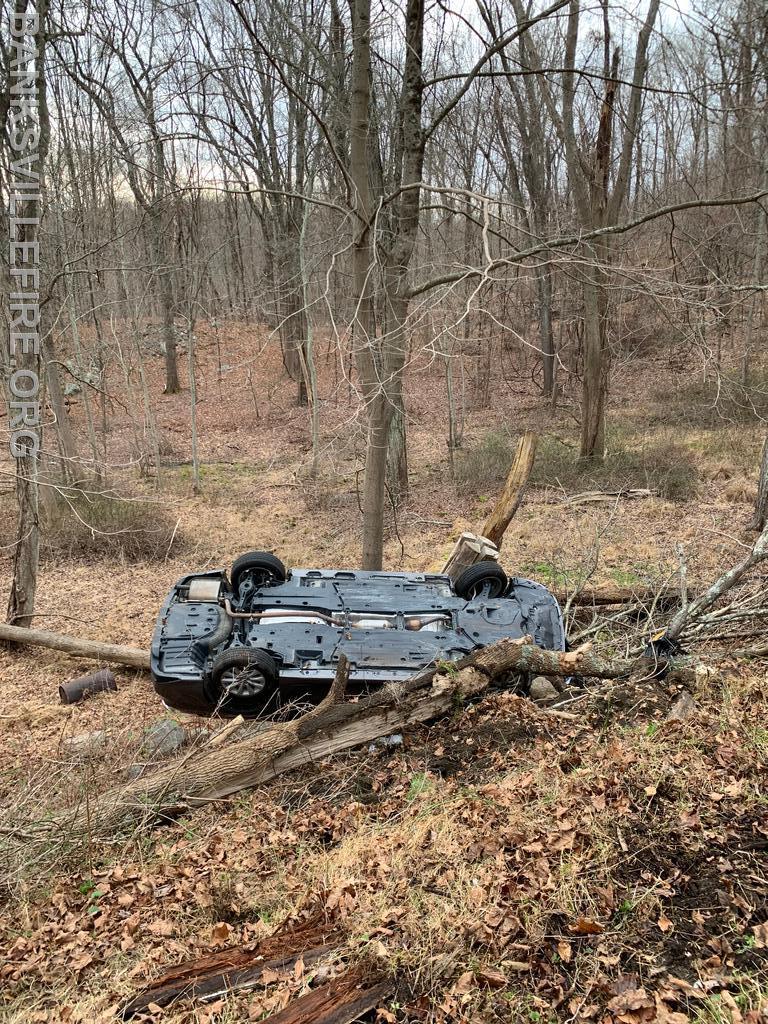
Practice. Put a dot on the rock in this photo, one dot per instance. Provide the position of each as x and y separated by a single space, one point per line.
86 744
542 691
386 742
684 707
162 738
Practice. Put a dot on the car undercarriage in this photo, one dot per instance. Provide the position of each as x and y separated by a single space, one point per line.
239 643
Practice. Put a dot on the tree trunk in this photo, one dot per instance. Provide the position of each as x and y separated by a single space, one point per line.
596 361
544 286
172 386
761 505
62 425
26 550
397 452
363 324
374 486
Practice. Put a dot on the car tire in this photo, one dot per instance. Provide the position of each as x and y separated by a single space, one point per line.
475 577
262 563
244 681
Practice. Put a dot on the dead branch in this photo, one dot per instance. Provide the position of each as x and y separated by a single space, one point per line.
692 611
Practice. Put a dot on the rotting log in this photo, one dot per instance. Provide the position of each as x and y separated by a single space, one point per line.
213 982
215 772
341 1001
511 497
91 649
238 967
469 549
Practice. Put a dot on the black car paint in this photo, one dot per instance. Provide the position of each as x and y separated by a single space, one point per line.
307 654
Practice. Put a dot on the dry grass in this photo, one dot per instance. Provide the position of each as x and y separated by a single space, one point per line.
92 525
662 465
714 400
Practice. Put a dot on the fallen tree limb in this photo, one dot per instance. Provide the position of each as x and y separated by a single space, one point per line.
694 609
214 772
91 649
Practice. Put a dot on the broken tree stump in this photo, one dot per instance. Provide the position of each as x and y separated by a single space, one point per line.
511 497
469 548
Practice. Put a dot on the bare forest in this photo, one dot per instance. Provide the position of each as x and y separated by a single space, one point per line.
409 288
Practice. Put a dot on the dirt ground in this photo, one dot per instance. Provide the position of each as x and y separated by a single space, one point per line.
503 865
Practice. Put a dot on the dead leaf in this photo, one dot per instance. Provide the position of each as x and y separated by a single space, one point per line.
162 928
760 931
630 1001
564 951
492 977
664 923
220 932
584 926
465 983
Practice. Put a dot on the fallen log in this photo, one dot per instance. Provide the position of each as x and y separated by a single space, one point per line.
91 649
607 594
237 967
214 772
341 1001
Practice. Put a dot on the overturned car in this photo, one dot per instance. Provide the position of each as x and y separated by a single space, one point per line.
239 643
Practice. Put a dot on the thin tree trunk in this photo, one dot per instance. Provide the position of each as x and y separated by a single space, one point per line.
363 324
544 287
596 362
62 425
26 550
761 505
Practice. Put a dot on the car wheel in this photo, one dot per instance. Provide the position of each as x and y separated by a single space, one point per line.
263 567
486 577
244 681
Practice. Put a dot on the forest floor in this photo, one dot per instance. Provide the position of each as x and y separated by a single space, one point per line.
501 865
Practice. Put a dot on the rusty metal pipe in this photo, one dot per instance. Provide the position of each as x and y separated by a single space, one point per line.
78 689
